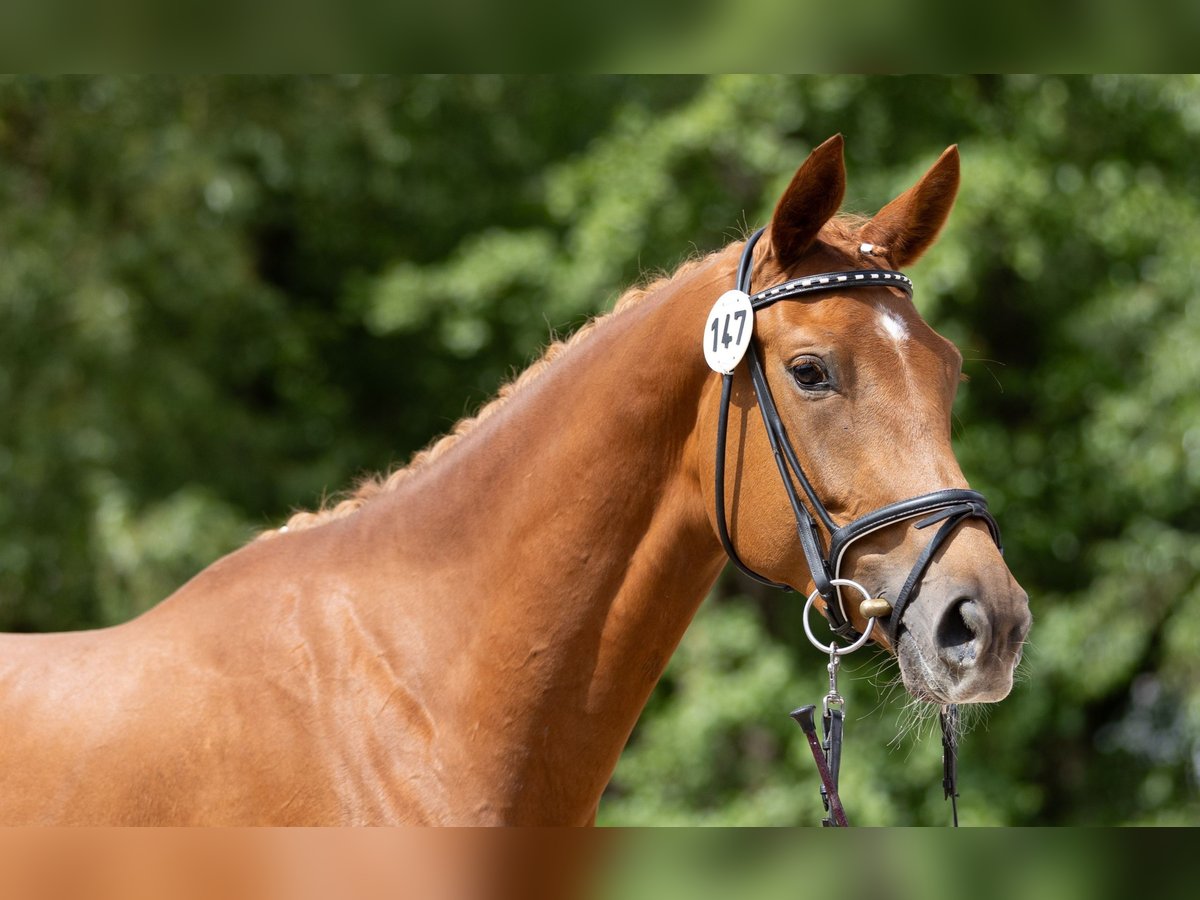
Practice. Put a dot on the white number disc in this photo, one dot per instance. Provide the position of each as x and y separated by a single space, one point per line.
728 331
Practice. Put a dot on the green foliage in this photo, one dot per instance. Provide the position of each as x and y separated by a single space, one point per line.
221 298
906 864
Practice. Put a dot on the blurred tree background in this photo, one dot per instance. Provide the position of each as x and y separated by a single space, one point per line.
221 299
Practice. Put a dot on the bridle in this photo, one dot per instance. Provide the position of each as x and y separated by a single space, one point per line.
951 507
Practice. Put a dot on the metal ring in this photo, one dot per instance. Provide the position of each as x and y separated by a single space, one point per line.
831 648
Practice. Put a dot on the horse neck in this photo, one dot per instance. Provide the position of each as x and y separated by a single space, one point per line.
573 548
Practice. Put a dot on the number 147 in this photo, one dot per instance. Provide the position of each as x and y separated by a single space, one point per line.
722 334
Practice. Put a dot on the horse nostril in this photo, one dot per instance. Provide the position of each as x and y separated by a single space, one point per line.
1016 637
1019 632
959 631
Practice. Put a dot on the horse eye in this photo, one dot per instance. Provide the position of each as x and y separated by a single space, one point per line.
810 373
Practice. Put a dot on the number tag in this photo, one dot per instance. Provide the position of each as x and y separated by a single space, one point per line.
728 331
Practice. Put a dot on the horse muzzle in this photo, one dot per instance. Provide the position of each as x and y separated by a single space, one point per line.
960 644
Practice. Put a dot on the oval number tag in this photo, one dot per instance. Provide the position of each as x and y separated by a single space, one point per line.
728 331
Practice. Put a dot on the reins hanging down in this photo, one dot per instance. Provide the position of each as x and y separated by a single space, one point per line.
950 507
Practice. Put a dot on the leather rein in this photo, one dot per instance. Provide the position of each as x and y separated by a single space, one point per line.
950 507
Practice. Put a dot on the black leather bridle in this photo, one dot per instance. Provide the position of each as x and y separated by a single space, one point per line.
951 507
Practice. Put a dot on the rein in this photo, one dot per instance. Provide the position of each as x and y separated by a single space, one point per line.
950 507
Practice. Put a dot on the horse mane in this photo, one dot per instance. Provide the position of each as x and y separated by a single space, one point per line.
839 231
372 486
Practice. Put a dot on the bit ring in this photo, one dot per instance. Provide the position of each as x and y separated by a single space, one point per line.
832 648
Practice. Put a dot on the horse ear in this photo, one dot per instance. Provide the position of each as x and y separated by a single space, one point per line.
908 226
810 201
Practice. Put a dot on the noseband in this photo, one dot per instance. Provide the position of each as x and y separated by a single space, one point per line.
951 506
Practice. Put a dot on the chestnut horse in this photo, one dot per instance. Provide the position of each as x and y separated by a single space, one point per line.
472 639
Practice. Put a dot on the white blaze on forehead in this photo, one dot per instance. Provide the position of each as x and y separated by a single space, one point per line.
892 326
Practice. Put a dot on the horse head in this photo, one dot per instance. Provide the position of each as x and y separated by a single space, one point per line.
863 389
